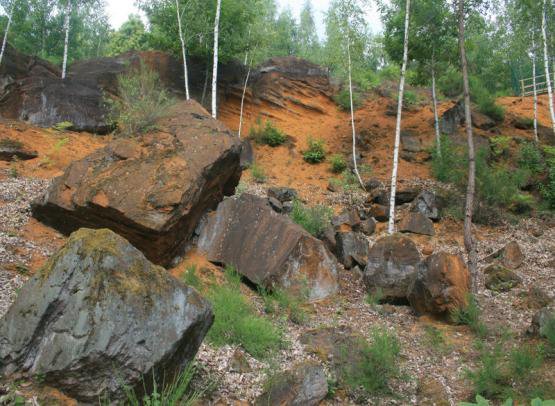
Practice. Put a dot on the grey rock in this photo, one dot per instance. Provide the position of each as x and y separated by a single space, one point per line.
275 204
416 223
282 194
352 249
540 321
368 226
426 204
98 316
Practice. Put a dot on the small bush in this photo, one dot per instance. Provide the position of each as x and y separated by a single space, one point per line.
10 143
375 366
548 188
448 164
492 110
338 163
142 102
410 98
281 302
375 297
343 100
500 146
313 219
348 182
191 278
258 174
450 83
470 315
316 152
267 134
530 158
548 332
236 322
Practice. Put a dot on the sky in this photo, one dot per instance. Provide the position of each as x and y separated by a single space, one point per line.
119 10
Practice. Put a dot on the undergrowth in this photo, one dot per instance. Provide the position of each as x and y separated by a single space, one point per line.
267 134
314 219
316 151
470 315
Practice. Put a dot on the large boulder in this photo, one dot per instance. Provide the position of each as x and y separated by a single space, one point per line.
426 203
510 256
416 223
441 285
268 248
99 316
392 264
152 189
351 248
305 385
501 279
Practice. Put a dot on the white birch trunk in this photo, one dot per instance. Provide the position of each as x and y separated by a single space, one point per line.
182 40
546 62
471 187
355 165
66 42
436 118
535 90
5 41
215 66
391 226
243 95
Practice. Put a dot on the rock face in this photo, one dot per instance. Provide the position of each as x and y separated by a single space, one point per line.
416 223
351 248
152 190
304 385
441 284
426 203
501 279
510 256
268 248
392 264
99 315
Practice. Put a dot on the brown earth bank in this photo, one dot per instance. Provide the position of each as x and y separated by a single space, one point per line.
301 106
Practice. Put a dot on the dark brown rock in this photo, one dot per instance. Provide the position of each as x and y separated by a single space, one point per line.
152 189
441 285
15 150
304 385
351 248
379 212
510 256
282 194
392 264
347 220
368 226
267 248
416 223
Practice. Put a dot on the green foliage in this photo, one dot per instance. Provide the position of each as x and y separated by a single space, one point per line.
280 301
258 173
485 100
500 146
60 144
236 321
375 297
480 401
316 152
548 189
313 219
10 143
470 315
177 392
448 164
530 158
267 134
142 102
343 100
63 126
376 364
191 278
338 163
131 36
548 332
450 83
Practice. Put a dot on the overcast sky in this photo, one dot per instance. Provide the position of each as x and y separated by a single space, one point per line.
119 10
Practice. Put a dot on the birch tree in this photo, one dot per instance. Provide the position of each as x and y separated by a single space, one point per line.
183 51
215 63
391 225
66 40
471 186
244 91
533 57
546 64
5 41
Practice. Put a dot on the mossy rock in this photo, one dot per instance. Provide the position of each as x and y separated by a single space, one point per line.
501 279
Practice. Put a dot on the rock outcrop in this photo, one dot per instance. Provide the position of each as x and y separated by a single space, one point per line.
510 256
500 279
441 284
416 223
152 189
98 316
392 264
268 248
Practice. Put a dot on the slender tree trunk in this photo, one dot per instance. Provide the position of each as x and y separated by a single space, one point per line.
470 190
66 42
215 66
5 41
182 40
535 90
205 87
243 95
355 165
436 119
546 62
391 226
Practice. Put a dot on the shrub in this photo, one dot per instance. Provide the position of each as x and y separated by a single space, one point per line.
410 98
530 158
313 219
376 364
348 182
10 143
492 110
316 152
450 83
338 163
548 189
448 164
470 315
548 332
500 146
142 102
343 100
258 174
191 278
267 134
375 297
280 301
236 322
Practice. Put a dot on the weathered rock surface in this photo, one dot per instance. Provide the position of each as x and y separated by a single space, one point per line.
510 256
304 385
98 316
540 321
347 220
282 194
153 189
416 223
268 248
426 204
351 248
501 279
14 150
441 284
392 264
